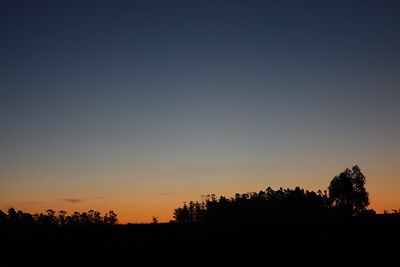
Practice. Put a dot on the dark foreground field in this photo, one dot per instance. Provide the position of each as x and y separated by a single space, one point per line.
360 239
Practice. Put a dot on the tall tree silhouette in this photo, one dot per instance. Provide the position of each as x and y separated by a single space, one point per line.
347 191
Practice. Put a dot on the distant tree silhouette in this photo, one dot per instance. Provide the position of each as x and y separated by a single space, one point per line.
49 219
347 192
110 218
265 206
75 218
182 214
62 217
12 215
190 213
95 217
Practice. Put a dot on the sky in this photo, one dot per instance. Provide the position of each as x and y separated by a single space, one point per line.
138 106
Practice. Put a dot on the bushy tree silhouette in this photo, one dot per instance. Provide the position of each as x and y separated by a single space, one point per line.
62 217
110 218
347 192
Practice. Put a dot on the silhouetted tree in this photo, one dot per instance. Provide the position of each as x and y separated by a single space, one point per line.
96 217
110 218
51 216
182 214
347 192
75 218
92 217
62 217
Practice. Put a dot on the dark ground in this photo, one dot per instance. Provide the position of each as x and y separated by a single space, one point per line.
361 241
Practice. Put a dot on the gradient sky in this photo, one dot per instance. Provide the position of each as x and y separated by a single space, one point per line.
137 106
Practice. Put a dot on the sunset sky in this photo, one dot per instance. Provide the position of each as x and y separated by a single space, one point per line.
137 106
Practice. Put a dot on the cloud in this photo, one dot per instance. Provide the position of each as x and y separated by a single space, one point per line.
78 200
72 200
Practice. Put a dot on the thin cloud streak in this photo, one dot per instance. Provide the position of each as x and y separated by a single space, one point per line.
78 200
72 200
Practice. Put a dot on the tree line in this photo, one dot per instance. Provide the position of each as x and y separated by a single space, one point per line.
346 196
52 218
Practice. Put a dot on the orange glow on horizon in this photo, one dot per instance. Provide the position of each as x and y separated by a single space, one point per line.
138 203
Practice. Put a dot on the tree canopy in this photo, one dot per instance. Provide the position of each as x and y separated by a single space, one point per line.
347 191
